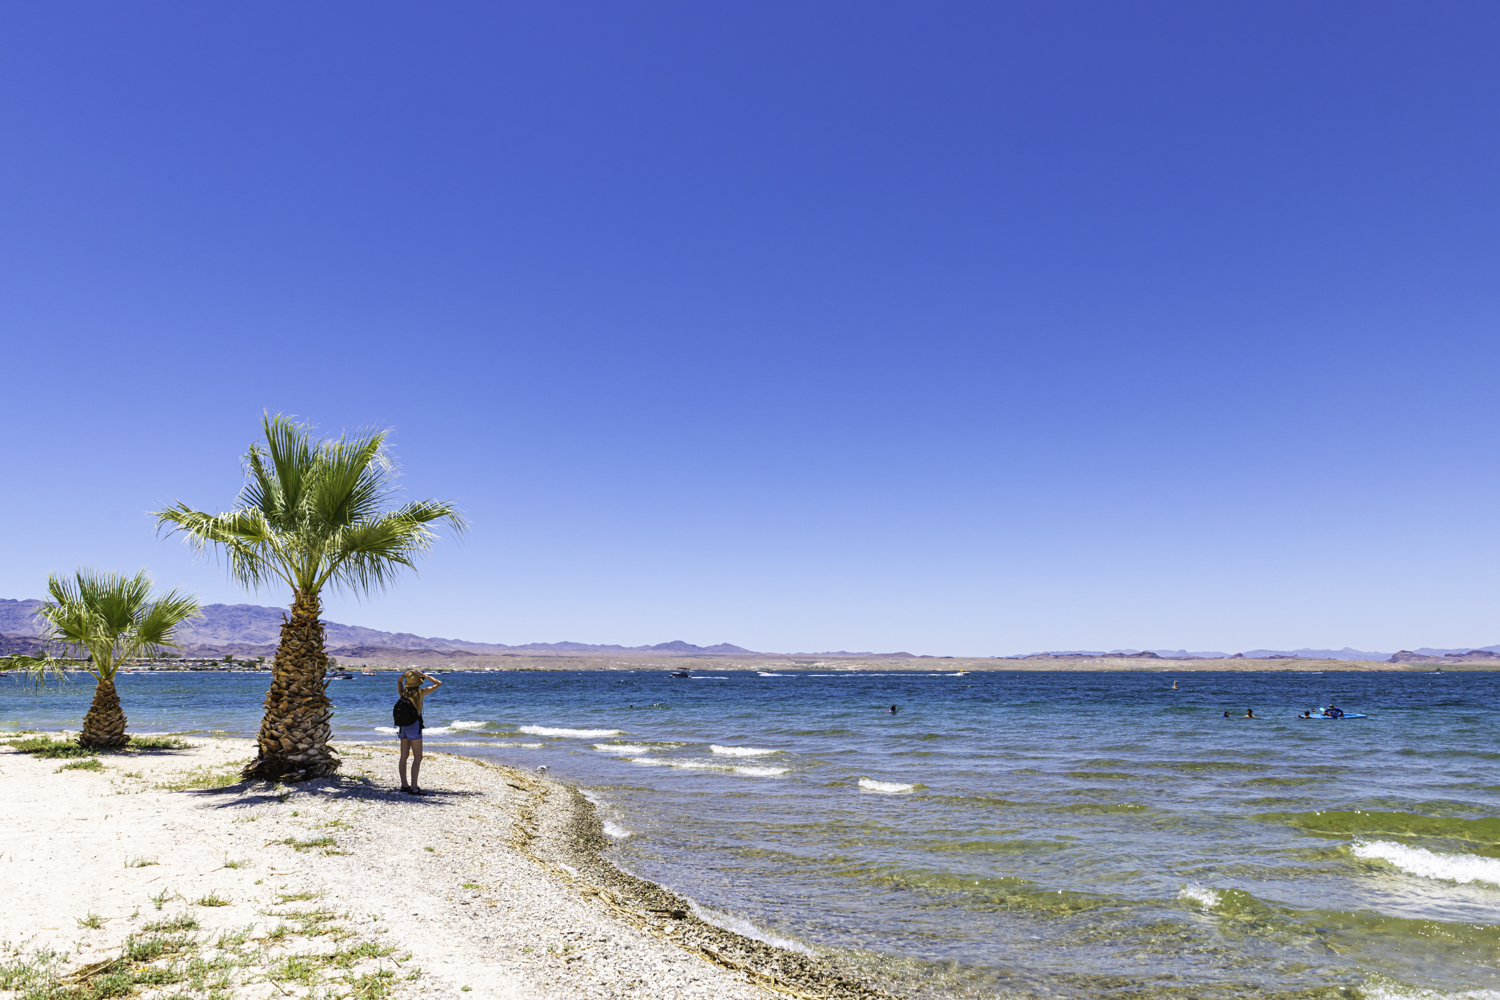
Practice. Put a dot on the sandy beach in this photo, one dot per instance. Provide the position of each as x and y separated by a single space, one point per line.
158 875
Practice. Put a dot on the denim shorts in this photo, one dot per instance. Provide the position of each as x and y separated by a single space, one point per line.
411 732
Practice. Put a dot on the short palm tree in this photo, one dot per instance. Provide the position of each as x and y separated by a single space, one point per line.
312 514
114 618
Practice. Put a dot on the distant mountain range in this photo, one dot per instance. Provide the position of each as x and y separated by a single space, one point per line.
251 629
232 627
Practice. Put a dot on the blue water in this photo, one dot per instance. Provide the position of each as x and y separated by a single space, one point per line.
1005 834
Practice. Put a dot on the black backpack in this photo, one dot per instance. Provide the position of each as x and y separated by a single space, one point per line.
404 713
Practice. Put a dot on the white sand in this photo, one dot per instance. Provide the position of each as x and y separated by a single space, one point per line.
528 929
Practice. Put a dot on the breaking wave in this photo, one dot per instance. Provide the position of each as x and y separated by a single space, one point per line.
582 734
1461 868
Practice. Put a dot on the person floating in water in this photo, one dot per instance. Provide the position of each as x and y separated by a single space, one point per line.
1306 715
892 710
1226 715
1249 713
1174 685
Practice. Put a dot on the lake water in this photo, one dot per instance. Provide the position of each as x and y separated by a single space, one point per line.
1005 834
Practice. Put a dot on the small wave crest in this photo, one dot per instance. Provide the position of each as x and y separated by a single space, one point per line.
467 724
740 751
582 734
745 928
625 748
392 730
884 787
1202 895
688 764
603 808
1461 868
767 673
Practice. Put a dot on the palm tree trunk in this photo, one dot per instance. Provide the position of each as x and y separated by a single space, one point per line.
294 733
104 725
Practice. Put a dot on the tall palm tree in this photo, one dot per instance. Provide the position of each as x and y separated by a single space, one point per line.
114 618
312 514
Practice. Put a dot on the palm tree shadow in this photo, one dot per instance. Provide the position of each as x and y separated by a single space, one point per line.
336 788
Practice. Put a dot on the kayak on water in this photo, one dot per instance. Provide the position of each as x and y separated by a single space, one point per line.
1346 715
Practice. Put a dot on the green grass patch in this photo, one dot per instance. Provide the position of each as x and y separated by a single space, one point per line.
157 743
347 958
307 845
211 899
46 746
200 778
372 985
173 925
149 949
283 898
298 969
140 861
93 921
87 764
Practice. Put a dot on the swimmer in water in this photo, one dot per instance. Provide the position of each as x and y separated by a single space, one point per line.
892 710
1226 715
1174 685
1249 713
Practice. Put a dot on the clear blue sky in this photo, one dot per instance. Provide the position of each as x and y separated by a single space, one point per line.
957 328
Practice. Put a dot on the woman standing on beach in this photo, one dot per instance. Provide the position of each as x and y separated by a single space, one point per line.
409 687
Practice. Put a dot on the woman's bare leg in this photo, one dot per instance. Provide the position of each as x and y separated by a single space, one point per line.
416 764
405 749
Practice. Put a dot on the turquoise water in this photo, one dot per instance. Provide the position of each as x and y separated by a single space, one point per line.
1007 834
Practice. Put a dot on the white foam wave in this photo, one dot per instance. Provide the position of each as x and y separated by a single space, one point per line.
767 673
613 829
710 678
464 724
387 729
740 751
527 746
746 929
582 734
884 787
1202 895
1400 991
437 730
688 764
625 748
1461 868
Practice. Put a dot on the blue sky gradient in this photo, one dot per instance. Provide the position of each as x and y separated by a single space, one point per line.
955 328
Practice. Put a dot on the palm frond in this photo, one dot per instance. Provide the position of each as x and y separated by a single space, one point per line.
248 541
352 481
156 626
289 448
316 513
110 615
